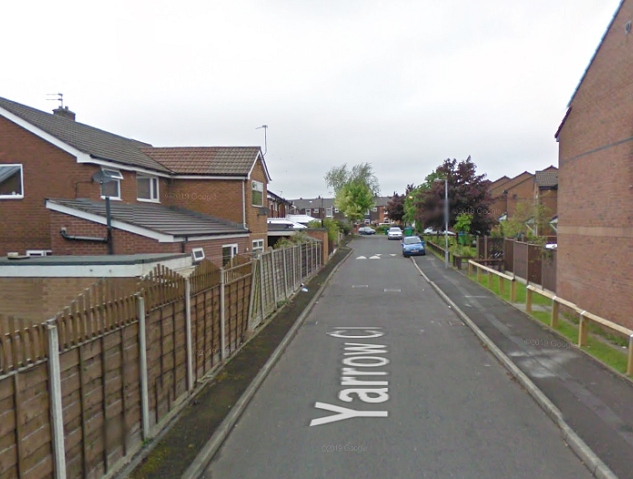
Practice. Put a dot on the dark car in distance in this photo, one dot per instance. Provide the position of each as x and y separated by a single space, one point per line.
413 246
366 230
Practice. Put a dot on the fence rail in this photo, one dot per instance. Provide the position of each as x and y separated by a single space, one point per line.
83 390
584 317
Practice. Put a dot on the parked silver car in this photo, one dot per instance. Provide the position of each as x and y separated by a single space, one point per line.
394 233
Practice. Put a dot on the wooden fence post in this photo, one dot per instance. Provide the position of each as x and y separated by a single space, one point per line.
554 319
274 275
629 365
222 315
285 275
142 344
478 274
294 268
513 291
502 284
55 398
582 330
489 279
251 301
262 288
189 333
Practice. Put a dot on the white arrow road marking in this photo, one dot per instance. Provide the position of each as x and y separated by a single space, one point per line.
343 413
361 257
393 254
374 257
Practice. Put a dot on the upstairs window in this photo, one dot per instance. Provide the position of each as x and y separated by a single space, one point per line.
147 188
11 182
258 193
112 188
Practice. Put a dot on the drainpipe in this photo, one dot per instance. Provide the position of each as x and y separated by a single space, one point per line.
109 223
244 203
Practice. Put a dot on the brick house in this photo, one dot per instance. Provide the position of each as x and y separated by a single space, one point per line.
546 194
162 200
278 207
507 194
595 199
321 208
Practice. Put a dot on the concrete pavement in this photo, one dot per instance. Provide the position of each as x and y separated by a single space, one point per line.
594 402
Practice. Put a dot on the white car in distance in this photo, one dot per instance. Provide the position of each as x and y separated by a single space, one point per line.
394 233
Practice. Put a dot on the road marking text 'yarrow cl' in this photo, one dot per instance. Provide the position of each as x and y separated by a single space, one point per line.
359 362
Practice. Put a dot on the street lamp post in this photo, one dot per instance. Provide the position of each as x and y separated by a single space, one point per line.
445 180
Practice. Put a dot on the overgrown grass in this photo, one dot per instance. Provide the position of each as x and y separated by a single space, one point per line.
607 348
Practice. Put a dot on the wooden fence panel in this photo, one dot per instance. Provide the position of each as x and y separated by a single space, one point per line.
534 264
549 270
520 264
508 255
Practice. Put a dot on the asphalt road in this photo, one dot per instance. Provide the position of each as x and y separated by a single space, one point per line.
413 395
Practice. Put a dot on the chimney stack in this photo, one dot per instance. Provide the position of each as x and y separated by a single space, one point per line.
65 112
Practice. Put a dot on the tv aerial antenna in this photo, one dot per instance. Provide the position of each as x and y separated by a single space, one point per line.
265 127
58 97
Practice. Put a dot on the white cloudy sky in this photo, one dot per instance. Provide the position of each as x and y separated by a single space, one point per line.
401 84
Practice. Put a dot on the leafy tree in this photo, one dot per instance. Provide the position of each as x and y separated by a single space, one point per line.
412 198
396 209
528 221
467 194
354 199
339 176
462 225
354 189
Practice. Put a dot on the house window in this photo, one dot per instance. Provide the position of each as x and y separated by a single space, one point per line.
336 210
258 246
258 193
147 188
308 211
228 251
375 209
11 182
111 188
316 210
328 212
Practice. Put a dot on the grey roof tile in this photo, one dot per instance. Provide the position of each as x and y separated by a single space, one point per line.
87 139
158 218
546 178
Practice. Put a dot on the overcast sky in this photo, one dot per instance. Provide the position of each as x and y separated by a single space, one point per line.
400 84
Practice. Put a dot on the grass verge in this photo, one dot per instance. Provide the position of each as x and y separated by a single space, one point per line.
602 345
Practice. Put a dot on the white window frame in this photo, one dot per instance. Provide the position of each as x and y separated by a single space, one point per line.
234 251
315 210
336 210
21 195
258 246
375 209
328 212
308 211
154 188
257 186
116 178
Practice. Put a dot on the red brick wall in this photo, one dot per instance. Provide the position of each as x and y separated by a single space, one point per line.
48 172
39 299
128 243
256 222
595 195
219 198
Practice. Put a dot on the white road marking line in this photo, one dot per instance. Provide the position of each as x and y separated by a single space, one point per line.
360 286
374 257
361 257
387 290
